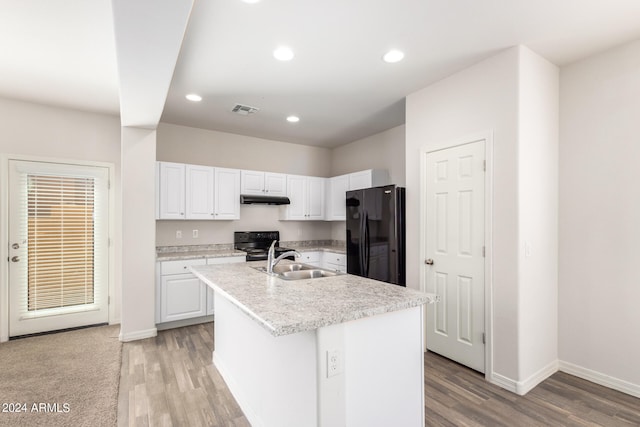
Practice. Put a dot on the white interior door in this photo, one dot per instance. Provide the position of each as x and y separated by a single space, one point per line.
58 248
454 252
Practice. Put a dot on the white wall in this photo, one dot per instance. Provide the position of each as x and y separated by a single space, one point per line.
138 234
538 218
204 147
600 214
481 98
42 131
384 150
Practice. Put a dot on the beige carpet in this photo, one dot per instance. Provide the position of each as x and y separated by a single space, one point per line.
64 379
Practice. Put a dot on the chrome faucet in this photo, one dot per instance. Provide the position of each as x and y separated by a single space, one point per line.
271 262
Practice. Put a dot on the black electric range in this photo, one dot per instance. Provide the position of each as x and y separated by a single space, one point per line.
256 244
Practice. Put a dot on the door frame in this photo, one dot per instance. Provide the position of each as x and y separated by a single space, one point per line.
487 136
4 232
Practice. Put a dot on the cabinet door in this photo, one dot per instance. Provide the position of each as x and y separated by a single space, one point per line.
252 182
296 191
360 180
183 296
336 197
315 198
199 189
334 261
275 184
227 194
172 197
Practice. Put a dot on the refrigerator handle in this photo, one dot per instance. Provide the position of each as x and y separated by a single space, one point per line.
367 244
361 246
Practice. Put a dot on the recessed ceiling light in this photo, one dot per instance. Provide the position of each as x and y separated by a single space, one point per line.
193 97
293 119
393 56
283 53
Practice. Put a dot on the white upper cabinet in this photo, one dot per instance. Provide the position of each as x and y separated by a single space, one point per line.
315 194
263 183
339 185
227 194
306 194
368 178
336 190
171 197
198 192
275 184
199 197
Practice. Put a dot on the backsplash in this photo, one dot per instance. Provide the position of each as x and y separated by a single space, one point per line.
311 243
190 248
229 246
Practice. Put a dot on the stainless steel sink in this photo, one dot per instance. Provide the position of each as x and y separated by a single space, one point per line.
299 271
307 274
283 268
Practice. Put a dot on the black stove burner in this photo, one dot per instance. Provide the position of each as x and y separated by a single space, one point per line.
256 244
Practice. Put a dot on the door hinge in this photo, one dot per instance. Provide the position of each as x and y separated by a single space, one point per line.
109 302
484 338
483 252
484 165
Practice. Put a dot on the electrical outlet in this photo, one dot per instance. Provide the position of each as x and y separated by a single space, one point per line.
195 234
179 234
334 363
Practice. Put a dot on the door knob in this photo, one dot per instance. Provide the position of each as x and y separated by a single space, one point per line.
428 261
15 259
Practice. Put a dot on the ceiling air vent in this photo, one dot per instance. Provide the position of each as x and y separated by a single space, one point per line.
244 110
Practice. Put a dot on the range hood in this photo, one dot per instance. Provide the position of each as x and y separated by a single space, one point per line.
250 199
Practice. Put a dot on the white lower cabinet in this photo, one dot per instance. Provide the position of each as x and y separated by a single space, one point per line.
328 260
180 294
334 261
312 258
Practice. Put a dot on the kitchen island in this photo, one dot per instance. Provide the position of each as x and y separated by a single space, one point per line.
329 351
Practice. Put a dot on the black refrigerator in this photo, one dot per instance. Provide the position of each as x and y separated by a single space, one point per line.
376 233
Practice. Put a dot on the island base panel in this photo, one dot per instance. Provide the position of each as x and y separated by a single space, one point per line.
284 381
273 379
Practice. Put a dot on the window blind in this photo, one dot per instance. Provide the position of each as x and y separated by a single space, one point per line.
61 241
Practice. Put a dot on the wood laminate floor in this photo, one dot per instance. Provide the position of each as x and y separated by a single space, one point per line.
170 380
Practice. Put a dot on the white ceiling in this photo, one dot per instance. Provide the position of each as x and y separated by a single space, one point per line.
62 52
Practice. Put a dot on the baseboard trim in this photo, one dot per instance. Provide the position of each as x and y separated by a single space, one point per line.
138 335
504 382
600 378
524 387
185 322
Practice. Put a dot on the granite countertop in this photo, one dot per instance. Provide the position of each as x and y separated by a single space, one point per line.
174 256
340 249
287 307
174 253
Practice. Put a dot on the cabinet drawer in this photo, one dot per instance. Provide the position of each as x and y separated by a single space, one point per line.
335 258
309 257
179 266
